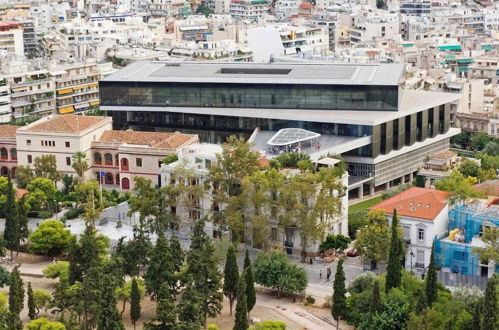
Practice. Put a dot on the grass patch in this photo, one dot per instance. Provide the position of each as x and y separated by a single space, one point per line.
364 205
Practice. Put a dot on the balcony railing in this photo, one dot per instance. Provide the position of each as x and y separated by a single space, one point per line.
419 265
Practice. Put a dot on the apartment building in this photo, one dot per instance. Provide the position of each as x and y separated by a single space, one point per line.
370 28
304 39
5 112
251 10
11 39
485 67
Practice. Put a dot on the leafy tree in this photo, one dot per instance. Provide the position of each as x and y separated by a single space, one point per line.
490 250
356 221
133 254
236 161
68 184
335 242
275 271
109 317
394 268
204 10
24 175
50 238
46 167
190 307
160 269
460 188
41 193
23 209
380 4
231 276
480 140
363 282
84 254
124 293
469 168
339 300
485 175
489 311
462 139
41 299
166 316
31 303
421 301
80 164
12 232
250 284
375 299
44 324
431 288
242 306
57 269
16 299
373 241
4 277
492 148
135 297
201 260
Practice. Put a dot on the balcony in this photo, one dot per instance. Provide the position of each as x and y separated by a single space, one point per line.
419 265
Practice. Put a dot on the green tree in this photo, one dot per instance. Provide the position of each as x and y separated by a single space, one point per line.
201 260
41 193
133 255
250 284
109 317
57 269
31 303
375 305
124 293
380 4
24 175
431 288
16 299
489 311
339 308
231 276
275 271
490 250
12 232
4 277
269 324
135 302
477 314
421 301
394 268
373 240
50 238
160 269
335 242
190 307
492 148
480 140
44 324
469 168
46 167
459 187
166 316
242 306
84 254
23 209
80 164
41 299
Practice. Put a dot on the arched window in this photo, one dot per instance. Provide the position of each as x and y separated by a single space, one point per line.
4 171
109 178
125 184
124 164
13 154
4 154
108 159
97 158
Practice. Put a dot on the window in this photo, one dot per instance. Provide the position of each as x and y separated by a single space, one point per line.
420 257
68 144
28 142
138 162
68 161
421 234
30 159
407 232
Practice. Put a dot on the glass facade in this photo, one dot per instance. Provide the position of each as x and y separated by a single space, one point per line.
265 96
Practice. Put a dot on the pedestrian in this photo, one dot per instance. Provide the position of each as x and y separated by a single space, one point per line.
320 274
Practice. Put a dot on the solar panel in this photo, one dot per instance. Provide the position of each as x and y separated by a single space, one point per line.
288 136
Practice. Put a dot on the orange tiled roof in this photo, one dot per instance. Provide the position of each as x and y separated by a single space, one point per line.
8 130
66 123
160 140
415 202
20 192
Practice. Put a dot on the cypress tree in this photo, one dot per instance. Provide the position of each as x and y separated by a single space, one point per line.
421 303
477 314
12 232
489 310
31 303
375 305
339 299
394 268
23 210
166 315
190 307
202 266
242 305
231 276
160 269
109 316
16 299
83 254
177 253
134 302
250 284
431 288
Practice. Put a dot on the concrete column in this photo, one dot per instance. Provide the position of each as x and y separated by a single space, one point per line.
371 189
387 185
361 191
402 179
411 177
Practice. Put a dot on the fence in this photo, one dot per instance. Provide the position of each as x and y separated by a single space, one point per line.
457 280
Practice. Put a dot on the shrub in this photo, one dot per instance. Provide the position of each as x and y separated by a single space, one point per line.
394 191
213 327
73 213
310 299
328 303
290 159
170 159
44 214
56 269
50 238
361 283
43 323
269 325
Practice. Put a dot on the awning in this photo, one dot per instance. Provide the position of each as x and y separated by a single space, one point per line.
66 109
81 105
65 91
464 60
450 47
407 45
463 69
486 47
80 87
93 85
93 103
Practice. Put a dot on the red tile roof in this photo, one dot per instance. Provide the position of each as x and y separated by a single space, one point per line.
160 140
490 187
415 202
20 192
8 131
66 123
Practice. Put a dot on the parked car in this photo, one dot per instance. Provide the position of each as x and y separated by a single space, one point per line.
352 253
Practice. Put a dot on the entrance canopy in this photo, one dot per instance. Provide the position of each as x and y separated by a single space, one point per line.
288 136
